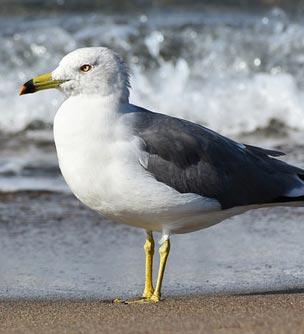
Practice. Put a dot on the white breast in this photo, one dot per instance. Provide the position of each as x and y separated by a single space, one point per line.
101 162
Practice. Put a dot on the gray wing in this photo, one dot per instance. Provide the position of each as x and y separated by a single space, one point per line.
193 159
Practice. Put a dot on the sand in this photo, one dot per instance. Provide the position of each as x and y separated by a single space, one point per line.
268 313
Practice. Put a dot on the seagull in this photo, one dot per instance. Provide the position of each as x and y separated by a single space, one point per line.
149 170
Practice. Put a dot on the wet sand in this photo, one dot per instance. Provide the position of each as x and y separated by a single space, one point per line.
51 246
270 313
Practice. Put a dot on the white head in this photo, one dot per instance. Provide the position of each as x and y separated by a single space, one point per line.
89 71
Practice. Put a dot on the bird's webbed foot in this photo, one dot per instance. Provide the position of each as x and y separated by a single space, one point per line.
141 300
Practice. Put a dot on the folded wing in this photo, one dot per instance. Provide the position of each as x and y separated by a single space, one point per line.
193 159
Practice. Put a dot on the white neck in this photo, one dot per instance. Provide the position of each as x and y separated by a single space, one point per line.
92 117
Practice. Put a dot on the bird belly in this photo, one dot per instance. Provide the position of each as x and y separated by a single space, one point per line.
126 195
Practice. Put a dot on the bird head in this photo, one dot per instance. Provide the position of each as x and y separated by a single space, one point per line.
89 71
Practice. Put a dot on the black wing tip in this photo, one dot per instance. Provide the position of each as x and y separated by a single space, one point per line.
271 153
287 199
276 153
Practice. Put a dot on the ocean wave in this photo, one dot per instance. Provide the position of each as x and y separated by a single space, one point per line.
233 74
236 72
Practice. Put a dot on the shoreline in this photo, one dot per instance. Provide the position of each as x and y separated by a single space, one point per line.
61 268
52 246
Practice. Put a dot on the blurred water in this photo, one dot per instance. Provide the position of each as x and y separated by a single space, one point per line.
238 72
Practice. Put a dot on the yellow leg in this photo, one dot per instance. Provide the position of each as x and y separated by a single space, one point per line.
148 290
149 251
163 252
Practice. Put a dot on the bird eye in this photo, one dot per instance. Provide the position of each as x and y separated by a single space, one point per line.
85 68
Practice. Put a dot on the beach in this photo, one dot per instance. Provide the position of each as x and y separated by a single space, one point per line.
268 313
236 70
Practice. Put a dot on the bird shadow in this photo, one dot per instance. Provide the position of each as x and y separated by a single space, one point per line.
272 292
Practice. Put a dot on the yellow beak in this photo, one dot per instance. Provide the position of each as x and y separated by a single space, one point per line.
41 82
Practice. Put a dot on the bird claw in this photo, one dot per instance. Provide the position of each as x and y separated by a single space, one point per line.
152 300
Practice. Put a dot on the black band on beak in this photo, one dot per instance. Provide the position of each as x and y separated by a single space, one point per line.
27 88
